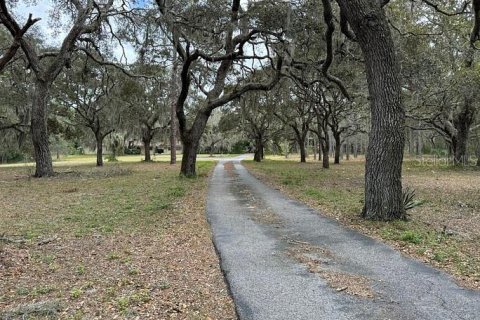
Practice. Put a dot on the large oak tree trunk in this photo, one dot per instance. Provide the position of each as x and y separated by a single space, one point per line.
301 144
191 143
348 148
477 152
173 116
383 170
338 146
462 123
189 157
326 156
146 146
147 136
303 152
460 149
99 142
258 155
43 158
325 146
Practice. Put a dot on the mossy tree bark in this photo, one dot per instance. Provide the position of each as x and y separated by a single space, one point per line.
383 170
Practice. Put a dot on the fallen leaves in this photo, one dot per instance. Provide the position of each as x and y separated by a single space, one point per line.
160 268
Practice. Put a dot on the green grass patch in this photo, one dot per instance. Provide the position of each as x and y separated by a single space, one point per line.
411 236
83 200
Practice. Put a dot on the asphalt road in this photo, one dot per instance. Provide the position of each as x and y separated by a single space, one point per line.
283 260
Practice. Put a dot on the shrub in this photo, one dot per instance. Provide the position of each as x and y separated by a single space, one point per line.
408 199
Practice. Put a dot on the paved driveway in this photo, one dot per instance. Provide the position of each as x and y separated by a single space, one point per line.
283 260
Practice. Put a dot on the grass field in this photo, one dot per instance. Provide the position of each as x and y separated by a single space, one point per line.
128 240
90 159
444 231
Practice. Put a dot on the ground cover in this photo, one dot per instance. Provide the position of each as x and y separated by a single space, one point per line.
129 240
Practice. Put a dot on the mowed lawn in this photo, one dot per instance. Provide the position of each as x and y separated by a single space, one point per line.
443 231
128 240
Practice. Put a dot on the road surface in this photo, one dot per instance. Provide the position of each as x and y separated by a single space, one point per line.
283 260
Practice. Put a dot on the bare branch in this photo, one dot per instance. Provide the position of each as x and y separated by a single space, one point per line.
16 32
344 27
436 7
248 87
475 34
102 62
383 3
328 18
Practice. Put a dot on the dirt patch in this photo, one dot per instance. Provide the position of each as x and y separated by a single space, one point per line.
258 211
350 283
266 216
319 260
230 169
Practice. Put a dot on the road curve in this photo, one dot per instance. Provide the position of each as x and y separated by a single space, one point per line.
283 260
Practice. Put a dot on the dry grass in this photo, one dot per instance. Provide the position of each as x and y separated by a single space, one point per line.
444 231
120 242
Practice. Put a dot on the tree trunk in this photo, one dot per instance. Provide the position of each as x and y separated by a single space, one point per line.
383 170
314 149
319 150
326 157
99 142
258 155
410 142
420 143
338 147
189 158
300 138
462 123
477 152
303 152
173 105
43 158
191 143
146 145
460 149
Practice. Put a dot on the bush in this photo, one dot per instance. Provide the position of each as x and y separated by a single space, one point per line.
241 147
408 199
11 156
134 150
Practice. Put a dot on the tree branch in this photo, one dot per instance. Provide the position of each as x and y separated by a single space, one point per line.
15 30
328 19
102 62
248 87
